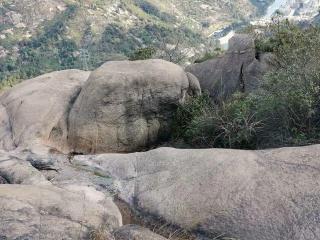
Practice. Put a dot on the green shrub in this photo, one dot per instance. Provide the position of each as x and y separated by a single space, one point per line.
229 125
290 95
143 54
9 82
186 113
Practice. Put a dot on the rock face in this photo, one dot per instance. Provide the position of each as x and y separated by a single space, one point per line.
35 112
265 195
47 212
126 106
239 69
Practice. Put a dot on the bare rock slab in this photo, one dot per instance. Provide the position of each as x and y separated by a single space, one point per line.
47 212
35 112
265 195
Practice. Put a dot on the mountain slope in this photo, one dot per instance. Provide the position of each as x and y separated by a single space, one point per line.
38 36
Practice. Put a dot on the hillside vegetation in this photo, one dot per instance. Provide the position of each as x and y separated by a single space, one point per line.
39 36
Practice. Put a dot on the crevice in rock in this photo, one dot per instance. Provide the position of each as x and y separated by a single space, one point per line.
3 180
153 223
72 101
158 225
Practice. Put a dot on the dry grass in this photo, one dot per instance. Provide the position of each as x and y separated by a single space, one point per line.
156 225
100 234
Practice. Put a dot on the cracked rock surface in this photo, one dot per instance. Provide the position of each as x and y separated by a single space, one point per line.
265 195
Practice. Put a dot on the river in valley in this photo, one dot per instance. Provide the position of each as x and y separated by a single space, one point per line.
273 8
229 33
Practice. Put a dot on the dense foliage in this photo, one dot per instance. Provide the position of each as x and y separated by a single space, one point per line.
230 125
49 51
53 48
143 54
284 111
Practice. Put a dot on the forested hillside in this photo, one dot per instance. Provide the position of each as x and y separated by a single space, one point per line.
38 36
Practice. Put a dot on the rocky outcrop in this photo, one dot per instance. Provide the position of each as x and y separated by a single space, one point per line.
35 112
17 171
239 69
123 107
128 106
74 204
48 212
265 195
66 207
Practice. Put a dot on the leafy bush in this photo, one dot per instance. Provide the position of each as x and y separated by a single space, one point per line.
290 95
229 125
143 54
9 82
186 113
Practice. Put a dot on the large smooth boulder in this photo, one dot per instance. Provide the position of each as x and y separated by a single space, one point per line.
35 112
128 106
265 195
48 212
239 69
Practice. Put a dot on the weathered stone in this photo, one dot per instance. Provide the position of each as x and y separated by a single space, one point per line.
35 111
17 171
239 69
265 195
128 106
47 212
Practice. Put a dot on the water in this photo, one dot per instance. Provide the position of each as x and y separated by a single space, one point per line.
272 9
224 41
